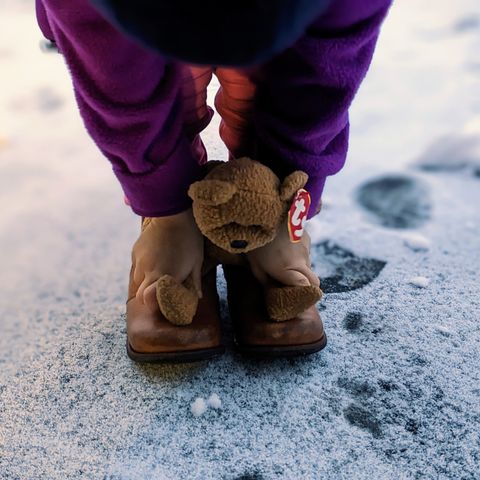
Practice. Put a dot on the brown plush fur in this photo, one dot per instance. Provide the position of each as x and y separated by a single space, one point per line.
177 302
239 207
284 303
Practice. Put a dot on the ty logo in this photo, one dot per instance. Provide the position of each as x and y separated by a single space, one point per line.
297 215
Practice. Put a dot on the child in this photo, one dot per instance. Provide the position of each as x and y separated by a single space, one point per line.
288 73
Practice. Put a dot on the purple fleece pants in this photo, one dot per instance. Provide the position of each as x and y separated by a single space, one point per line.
137 105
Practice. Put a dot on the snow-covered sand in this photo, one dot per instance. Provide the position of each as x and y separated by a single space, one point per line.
396 393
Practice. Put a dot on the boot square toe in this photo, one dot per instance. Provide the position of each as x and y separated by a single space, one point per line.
152 338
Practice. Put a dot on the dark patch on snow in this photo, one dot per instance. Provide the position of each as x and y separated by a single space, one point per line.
356 388
396 201
48 46
350 272
353 321
412 426
250 476
472 66
387 385
467 24
66 378
48 100
417 359
454 153
362 418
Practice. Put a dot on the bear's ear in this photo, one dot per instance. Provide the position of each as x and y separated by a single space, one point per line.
211 192
292 183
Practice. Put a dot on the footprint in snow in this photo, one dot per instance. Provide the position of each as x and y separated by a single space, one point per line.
396 201
350 272
468 23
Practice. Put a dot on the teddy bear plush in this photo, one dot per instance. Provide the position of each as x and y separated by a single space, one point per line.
238 207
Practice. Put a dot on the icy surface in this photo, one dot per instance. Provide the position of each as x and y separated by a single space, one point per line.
395 394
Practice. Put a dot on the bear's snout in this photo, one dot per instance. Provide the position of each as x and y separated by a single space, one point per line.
238 243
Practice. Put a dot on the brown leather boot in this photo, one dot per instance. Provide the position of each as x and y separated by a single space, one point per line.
151 338
257 335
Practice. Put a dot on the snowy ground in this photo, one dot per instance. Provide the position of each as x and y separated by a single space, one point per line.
396 393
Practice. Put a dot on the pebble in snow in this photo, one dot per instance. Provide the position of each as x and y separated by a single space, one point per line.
214 401
416 242
420 282
198 407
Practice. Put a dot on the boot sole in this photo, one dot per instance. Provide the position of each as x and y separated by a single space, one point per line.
187 356
281 351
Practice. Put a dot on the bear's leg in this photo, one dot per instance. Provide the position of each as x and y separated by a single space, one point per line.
178 302
284 303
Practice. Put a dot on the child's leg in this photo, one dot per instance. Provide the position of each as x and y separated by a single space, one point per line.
42 20
292 114
281 260
303 94
196 113
288 263
131 102
135 106
234 102
299 115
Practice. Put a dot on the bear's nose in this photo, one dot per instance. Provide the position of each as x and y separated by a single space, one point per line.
238 243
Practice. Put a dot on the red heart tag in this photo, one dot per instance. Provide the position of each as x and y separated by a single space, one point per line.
297 215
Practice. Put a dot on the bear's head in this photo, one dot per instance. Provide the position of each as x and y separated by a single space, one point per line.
240 204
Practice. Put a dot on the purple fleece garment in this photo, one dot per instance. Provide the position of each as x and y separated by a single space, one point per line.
129 98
